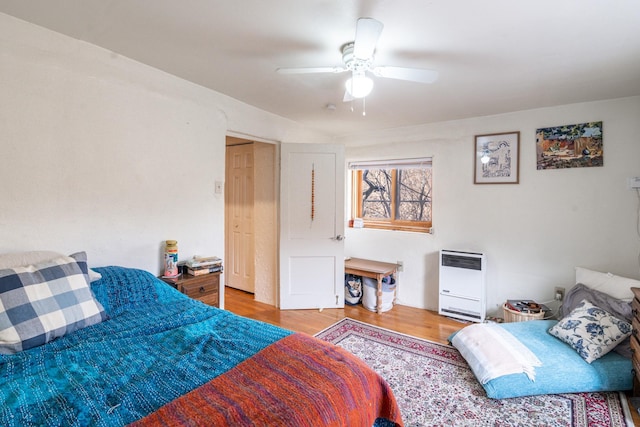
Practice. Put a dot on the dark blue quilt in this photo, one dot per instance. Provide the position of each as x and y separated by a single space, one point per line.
156 345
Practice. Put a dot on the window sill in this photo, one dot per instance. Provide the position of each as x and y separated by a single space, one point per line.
395 227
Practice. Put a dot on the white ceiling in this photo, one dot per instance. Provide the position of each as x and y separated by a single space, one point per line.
493 56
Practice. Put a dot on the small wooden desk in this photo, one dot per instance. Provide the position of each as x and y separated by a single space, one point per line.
374 269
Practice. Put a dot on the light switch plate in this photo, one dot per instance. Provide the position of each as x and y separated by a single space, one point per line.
634 182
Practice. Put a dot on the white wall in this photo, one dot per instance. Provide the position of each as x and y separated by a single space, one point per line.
104 154
534 233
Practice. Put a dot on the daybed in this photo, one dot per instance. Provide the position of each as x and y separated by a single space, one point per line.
139 352
570 355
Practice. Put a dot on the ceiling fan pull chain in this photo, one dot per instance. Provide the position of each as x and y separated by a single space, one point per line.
364 106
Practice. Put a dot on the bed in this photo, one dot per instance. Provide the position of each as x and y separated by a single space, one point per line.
141 353
587 350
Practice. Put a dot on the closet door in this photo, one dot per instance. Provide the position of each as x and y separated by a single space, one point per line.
239 218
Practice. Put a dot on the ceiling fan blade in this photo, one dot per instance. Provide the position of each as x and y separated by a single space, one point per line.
367 34
347 97
310 70
419 75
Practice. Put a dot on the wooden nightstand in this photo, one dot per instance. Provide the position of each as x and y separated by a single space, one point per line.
205 288
635 343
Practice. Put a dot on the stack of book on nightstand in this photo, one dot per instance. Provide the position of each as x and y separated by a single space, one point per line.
199 266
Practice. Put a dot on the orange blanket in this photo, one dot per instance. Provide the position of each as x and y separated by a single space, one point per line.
297 381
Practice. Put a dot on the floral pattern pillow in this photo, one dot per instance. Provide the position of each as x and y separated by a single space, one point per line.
591 331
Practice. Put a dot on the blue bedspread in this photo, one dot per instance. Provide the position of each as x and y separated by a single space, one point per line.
106 375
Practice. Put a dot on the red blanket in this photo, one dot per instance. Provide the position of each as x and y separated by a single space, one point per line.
297 381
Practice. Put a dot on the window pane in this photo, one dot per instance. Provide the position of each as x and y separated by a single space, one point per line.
394 199
376 194
414 195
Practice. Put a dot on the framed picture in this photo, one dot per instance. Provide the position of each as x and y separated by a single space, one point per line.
570 146
497 158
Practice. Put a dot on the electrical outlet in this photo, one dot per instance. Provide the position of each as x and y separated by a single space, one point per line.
558 294
633 182
400 265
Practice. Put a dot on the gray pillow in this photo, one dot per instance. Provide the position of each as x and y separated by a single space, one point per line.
619 308
18 259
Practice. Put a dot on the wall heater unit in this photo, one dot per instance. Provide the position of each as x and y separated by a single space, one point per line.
462 285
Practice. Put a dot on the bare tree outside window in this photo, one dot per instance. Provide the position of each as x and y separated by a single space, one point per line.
414 195
398 199
376 193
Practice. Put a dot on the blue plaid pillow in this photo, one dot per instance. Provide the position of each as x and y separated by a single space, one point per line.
44 301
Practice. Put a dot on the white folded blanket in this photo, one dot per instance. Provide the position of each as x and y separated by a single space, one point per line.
492 352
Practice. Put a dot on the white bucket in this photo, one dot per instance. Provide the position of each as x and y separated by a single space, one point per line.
370 289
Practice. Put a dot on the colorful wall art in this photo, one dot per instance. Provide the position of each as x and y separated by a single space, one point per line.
569 146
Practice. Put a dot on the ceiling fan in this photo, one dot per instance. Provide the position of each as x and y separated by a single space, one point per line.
358 59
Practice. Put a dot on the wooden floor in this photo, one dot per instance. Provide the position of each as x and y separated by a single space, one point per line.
407 320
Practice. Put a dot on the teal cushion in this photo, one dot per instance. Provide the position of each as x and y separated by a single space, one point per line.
562 370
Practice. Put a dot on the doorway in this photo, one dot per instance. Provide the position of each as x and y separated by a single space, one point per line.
251 227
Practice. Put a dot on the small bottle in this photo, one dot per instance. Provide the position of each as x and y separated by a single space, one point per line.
171 258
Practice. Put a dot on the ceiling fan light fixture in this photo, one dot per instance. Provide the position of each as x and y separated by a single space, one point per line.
359 85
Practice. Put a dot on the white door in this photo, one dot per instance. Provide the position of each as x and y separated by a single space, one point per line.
239 199
312 226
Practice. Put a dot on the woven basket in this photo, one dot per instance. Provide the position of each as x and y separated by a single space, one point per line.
516 316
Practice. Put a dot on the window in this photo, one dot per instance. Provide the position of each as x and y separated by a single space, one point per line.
393 194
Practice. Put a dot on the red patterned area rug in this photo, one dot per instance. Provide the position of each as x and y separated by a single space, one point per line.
434 386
